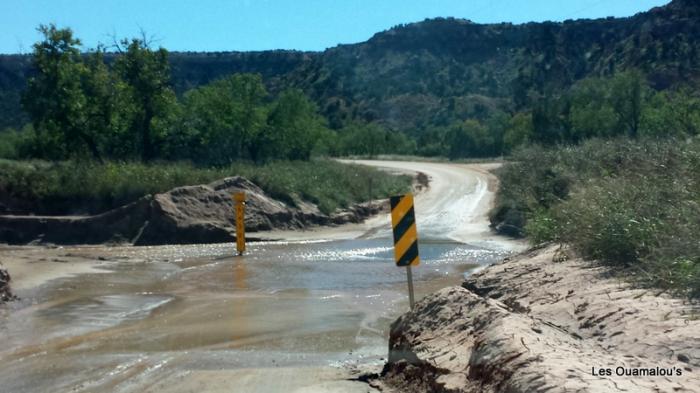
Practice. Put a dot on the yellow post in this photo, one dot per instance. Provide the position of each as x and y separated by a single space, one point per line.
239 198
403 221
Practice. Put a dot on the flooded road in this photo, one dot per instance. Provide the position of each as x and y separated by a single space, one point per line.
288 316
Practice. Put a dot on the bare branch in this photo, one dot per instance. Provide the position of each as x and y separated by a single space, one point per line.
115 42
147 40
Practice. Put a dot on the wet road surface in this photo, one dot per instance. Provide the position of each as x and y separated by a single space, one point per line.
196 318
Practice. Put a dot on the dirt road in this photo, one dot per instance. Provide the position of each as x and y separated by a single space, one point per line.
454 207
294 316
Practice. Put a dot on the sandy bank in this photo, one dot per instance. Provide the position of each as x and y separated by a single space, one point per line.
545 322
184 215
31 266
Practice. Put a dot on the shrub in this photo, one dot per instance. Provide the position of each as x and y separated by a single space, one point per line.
541 227
615 220
634 205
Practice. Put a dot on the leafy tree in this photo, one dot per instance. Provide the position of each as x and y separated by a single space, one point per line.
591 112
550 120
55 98
671 113
362 139
146 75
685 104
627 93
107 108
224 119
293 128
519 131
372 139
497 124
328 144
469 139
14 144
431 142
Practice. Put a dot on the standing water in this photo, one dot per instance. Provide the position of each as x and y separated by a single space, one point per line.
155 316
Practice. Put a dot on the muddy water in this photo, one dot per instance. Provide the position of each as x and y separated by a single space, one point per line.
153 315
286 317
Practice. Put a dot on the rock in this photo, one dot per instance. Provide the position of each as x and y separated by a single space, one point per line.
5 292
552 323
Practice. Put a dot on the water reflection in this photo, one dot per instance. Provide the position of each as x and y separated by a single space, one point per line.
240 306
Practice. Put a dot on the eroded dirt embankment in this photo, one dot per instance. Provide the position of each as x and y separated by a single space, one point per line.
184 215
544 322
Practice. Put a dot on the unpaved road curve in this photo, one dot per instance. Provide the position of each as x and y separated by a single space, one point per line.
289 316
454 207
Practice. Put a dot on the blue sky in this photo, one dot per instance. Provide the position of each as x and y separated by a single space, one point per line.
209 25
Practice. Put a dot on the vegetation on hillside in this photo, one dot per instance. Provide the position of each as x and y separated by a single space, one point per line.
80 107
430 74
632 204
420 82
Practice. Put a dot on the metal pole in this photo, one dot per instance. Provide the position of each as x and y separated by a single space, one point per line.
410 286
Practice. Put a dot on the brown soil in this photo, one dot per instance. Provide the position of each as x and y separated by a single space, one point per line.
184 215
544 321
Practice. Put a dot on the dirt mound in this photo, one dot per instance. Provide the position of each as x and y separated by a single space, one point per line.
533 325
190 214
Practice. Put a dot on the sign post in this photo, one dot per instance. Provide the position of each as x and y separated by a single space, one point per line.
403 222
239 198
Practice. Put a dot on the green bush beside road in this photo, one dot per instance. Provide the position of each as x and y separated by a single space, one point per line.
631 204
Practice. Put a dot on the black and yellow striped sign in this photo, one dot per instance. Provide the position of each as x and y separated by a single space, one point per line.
403 220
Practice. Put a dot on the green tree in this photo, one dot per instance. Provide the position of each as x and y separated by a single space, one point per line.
293 128
551 120
56 100
146 75
431 142
496 124
469 138
591 111
628 91
685 103
224 118
671 113
372 139
328 144
519 131
107 108
362 139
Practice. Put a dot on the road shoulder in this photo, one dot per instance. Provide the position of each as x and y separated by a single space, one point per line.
545 320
